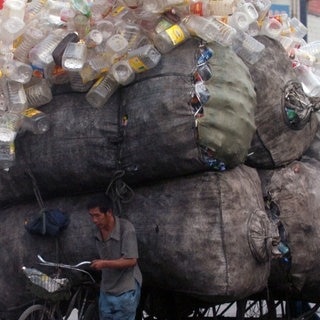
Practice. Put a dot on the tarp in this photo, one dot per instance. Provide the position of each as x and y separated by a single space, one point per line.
198 234
275 143
295 190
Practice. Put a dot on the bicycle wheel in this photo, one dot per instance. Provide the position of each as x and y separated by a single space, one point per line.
36 312
92 312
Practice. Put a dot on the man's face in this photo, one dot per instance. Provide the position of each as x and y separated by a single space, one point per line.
99 218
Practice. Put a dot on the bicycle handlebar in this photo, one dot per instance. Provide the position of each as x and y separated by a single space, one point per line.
66 266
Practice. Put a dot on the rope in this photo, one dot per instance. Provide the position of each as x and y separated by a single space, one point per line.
119 191
36 189
39 199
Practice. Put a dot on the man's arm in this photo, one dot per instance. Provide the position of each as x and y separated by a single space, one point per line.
121 263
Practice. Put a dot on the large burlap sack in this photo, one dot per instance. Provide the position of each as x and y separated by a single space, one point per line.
275 143
86 146
295 191
162 131
78 153
20 248
201 235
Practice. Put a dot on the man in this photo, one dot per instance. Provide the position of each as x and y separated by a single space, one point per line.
118 250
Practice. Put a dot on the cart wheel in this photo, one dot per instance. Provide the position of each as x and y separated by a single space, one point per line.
36 312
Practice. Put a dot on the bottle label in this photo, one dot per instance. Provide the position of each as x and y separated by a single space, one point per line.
137 65
96 84
162 25
176 34
31 112
117 11
196 8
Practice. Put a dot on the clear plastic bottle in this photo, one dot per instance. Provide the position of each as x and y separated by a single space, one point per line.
15 8
41 279
35 121
93 38
40 55
144 58
81 25
33 8
302 57
247 47
116 46
210 29
11 29
52 12
271 27
100 9
102 90
313 49
17 97
262 7
106 27
95 66
32 36
76 82
38 93
67 17
155 6
9 123
81 6
170 38
243 16
199 7
131 32
122 72
60 48
74 56
4 94
221 8
298 29
17 71
239 20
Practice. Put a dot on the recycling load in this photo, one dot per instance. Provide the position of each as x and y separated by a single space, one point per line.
96 47
173 219
197 107
101 141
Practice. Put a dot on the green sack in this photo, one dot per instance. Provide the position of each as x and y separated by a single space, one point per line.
228 125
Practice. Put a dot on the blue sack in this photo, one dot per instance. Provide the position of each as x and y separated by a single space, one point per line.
50 222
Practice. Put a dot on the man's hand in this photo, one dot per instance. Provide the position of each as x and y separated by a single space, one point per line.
98 264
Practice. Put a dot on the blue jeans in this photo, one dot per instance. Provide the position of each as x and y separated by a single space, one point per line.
122 307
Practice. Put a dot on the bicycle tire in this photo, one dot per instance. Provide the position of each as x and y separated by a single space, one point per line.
36 312
92 312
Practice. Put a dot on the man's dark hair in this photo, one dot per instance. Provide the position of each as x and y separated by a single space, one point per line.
101 201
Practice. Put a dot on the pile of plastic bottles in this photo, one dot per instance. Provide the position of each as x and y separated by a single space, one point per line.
95 46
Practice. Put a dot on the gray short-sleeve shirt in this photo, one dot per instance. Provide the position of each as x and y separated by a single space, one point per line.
122 242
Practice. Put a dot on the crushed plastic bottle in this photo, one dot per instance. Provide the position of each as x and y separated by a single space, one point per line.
171 37
102 90
210 30
41 279
247 47
35 121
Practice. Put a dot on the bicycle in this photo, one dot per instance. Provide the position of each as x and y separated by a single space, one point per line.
58 295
